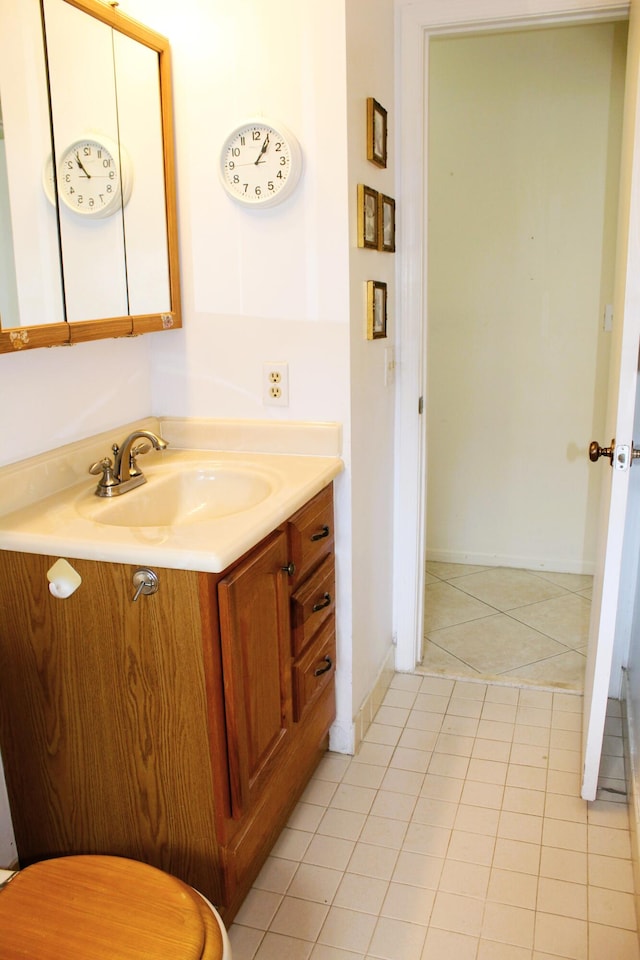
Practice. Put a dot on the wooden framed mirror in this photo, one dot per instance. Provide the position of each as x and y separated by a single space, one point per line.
88 229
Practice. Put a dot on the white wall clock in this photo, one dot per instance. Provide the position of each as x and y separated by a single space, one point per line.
95 177
260 163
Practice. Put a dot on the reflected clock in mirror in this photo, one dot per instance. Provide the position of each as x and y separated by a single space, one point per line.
95 177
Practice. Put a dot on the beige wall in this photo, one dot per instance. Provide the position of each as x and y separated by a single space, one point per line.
523 162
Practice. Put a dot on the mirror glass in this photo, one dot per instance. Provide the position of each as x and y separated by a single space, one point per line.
105 108
87 219
30 280
8 288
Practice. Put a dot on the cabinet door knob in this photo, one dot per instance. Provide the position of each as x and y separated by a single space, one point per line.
323 533
145 581
321 604
327 664
290 568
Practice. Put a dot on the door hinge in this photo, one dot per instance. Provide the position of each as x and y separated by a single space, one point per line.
420 405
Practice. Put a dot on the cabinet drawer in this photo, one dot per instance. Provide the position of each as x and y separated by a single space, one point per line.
311 604
310 533
315 669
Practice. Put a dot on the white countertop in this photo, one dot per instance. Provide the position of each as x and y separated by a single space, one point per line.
47 502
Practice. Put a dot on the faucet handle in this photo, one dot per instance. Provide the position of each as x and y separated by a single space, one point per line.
134 469
139 448
103 469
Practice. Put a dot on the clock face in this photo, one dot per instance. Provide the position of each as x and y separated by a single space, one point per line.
260 164
93 177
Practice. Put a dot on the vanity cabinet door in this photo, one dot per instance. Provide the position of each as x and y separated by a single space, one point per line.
254 637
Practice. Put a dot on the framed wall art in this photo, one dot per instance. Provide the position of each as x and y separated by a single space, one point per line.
376 310
386 223
376 133
367 217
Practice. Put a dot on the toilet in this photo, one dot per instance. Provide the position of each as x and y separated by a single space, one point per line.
100 907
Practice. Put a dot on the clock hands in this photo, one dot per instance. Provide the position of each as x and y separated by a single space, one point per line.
80 164
263 151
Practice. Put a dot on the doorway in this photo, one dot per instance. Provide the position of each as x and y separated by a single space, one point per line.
524 143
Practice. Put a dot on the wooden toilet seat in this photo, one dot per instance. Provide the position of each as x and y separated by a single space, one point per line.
104 907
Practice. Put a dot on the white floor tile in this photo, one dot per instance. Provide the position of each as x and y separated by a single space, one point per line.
456 832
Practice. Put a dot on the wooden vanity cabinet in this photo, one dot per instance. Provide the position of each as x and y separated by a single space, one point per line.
180 729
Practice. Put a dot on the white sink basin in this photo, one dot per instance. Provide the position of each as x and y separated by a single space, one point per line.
192 493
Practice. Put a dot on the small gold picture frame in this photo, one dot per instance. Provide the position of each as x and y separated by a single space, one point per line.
376 133
367 217
376 310
386 223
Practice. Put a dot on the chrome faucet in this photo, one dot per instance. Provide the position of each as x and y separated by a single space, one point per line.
123 474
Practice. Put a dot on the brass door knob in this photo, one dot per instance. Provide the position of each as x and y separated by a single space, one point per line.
596 451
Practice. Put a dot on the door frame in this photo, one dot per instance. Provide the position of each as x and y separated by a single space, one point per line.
416 22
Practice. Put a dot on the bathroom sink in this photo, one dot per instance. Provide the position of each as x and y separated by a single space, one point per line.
188 495
202 507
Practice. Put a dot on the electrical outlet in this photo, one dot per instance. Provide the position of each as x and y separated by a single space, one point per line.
275 384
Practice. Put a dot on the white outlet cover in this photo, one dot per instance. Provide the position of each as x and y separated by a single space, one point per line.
275 383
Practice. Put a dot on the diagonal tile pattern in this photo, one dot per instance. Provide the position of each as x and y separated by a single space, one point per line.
456 831
495 622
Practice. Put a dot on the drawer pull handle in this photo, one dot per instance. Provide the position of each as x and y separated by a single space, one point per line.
290 568
320 536
324 669
321 604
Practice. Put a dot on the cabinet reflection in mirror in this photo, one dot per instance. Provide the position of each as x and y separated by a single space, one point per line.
89 235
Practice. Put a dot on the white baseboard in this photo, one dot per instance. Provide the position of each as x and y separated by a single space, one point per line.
374 698
585 567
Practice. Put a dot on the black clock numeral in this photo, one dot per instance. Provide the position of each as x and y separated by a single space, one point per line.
283 161
236 178
235 152
256 134
242 141
258 191
278 147
106 162
109 188
231 165
86 150
271 185
246 187
279 175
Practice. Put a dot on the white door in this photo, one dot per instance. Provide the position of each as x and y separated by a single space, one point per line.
620 417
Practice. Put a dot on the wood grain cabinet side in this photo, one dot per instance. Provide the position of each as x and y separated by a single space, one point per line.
103 718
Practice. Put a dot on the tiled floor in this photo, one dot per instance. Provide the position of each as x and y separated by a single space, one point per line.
513 624
456 833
